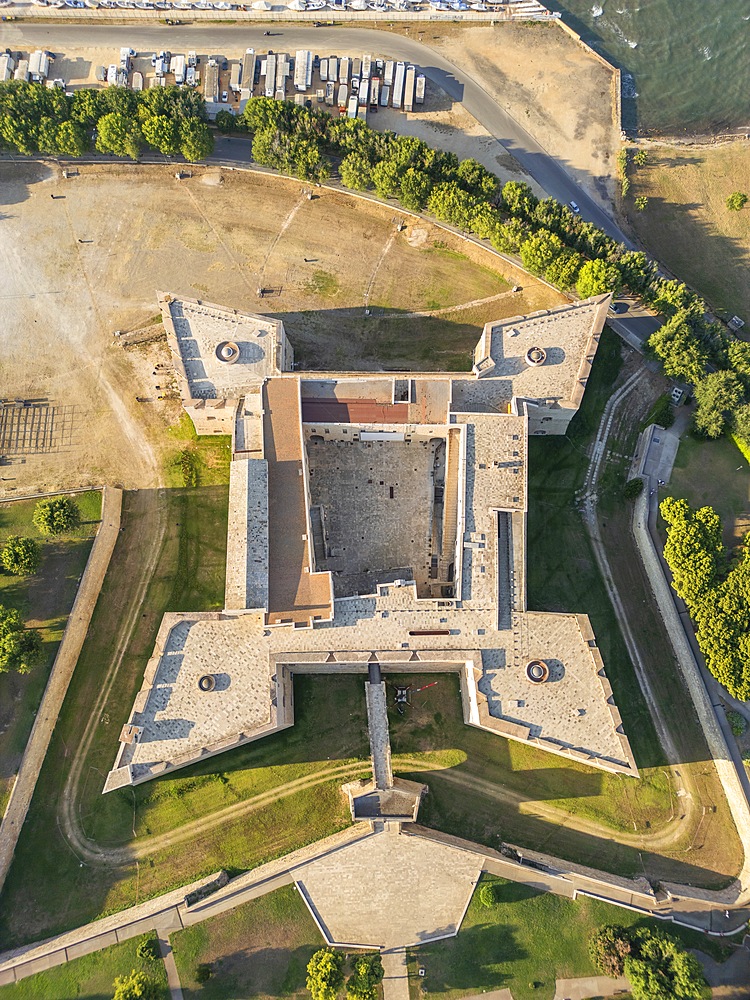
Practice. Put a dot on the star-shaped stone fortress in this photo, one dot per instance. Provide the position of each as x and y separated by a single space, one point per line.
376 521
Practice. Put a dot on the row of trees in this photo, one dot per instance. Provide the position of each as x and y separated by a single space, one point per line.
552 241
656 965
715 589
116 120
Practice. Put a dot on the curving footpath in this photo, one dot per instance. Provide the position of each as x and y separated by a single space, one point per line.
59 679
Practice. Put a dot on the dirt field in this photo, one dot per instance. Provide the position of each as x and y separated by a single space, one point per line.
549 84
112 236
687 224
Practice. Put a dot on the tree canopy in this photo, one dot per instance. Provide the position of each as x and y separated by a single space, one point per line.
55 515
137 986
367 973
20 556
20 647
657 966
325 974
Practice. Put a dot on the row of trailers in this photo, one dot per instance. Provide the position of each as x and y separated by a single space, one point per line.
356 84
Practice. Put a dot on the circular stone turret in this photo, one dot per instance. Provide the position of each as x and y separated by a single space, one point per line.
535 356
227 352
207 682
537 671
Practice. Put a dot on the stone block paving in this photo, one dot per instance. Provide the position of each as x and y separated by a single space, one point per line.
390 890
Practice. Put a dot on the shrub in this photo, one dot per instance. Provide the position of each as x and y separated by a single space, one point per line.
641 203
737 723
20 647
20 556
55 515
661 413
488 894
736 201
633 488
148 949
137 986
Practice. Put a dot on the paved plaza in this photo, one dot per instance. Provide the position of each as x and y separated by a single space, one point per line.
389 890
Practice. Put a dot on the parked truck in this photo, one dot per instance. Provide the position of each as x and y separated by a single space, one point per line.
388 73
352 109
344 66
397 94
343 97
7 65
366 67
374 92
39 65
270 71
409 81
419 97
303 69
323 70
247 77
364 92
177 68
211 82
235 77
330 93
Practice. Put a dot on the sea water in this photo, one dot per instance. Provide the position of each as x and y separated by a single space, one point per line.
685 63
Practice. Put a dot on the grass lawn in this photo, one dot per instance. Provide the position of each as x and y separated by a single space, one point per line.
44 600
90 977
524 943
687 224
261 949
46 891
714 473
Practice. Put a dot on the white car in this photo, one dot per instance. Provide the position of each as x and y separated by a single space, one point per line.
574 207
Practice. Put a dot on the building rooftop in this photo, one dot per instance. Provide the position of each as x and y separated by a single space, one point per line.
373 521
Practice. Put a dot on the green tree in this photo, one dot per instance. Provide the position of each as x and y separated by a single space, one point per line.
196 141
661 970
563 270
85 106
450 203
633 488
640 158
137 986
641 203
160 131
509 236
519 200
678 348
325 974
21 556
225 121
367 973
386 176
610 946
694 549
597 277
415 189
741 421
540 250
718 395
72 139
477 180
356 171
20 647
54 515
736 201
118 134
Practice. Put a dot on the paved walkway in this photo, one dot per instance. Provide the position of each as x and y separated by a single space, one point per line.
60 675
396 978
589 986
173 979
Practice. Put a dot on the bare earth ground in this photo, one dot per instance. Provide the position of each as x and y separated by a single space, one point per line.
549 84
122 232
687 224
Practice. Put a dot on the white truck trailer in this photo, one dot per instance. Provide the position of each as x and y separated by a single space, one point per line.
7 65
374 91
270 75
177 68
364 92
333 69
397 94
352 109
366 67
343 97
211 82
385 95
419 96
388 73
249 61
330 93
235 77
409 81
323 70
344 65
22 70
39 65
303 69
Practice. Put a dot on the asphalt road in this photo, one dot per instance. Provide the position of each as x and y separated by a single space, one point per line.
545 169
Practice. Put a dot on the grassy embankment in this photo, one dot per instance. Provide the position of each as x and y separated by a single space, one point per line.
261 949
44 600
90 977
562 576
524 943
687 225
47 889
